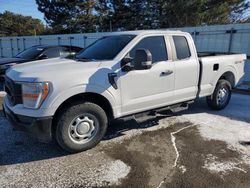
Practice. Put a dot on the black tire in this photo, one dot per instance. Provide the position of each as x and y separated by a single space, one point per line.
214 101
68 140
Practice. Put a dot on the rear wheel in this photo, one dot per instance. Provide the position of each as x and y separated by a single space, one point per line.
81 127
221 96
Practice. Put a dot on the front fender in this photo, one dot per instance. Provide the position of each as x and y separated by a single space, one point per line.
68 93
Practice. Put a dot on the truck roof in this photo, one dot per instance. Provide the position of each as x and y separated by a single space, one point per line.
147 32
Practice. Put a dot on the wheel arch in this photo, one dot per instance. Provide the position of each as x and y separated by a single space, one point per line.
96 98
229 76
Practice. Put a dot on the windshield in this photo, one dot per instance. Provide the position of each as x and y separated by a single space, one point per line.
30 53
105 48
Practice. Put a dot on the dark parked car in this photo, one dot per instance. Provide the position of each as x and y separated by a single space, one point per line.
39 52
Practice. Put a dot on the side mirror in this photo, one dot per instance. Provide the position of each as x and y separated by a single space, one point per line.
143 59
126 64
43 56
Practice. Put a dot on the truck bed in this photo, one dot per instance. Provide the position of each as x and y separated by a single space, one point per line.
213 65
206 54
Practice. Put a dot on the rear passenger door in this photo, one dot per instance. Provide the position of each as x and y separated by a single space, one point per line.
146 89
186 68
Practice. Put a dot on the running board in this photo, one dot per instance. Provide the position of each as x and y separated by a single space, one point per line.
165 110
183 106
177 107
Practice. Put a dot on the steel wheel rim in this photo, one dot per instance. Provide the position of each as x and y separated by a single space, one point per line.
83 128
222 96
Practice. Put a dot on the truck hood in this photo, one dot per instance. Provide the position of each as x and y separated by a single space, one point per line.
51 69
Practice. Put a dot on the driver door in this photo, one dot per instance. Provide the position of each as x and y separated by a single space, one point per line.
142 90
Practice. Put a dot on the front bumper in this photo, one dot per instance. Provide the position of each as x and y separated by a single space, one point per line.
39 128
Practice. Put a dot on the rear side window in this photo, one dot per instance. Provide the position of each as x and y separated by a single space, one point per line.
182 47
64 52
52 52
156 45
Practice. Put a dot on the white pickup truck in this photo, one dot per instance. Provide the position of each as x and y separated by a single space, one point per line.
120 75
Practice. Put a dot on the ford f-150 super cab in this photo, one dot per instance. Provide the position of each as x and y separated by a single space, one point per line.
120 75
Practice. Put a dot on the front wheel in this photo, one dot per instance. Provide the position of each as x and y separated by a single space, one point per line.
221 96
81 127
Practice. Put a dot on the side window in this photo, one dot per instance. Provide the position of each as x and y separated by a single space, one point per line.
182 47
156 45
64 52
52 52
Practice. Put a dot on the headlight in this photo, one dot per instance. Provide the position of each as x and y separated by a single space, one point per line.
34 94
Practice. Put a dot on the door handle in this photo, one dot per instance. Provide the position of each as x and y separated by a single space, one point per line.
167 72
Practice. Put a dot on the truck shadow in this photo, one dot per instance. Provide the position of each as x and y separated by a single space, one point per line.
119 127
17 147
238 109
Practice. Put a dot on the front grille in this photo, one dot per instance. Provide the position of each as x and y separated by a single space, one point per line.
14 91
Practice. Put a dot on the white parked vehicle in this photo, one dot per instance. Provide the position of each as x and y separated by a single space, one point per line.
124 74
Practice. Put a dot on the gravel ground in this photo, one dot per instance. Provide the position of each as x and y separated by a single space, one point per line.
194 148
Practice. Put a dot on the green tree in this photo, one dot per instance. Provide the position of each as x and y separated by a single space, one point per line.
247 20
76 16
154 14
17 25
201 12
114 13
72 16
